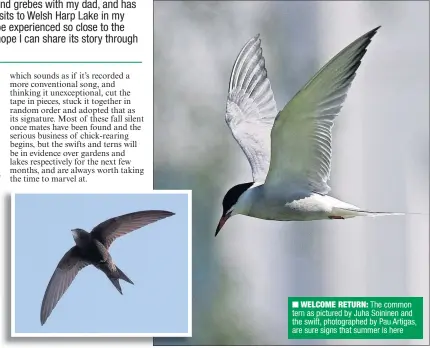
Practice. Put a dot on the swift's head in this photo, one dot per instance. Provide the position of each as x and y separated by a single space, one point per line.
229 202
80 235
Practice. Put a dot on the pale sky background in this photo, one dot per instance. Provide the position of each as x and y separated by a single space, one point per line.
243 277
155 258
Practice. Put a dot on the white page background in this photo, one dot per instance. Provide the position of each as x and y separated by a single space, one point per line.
140 22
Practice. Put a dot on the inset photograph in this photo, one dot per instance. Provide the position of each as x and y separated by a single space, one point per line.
101 265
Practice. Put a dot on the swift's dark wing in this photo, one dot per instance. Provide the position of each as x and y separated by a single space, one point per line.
111 229
63 276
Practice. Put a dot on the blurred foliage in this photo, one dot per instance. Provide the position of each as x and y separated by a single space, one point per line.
213 321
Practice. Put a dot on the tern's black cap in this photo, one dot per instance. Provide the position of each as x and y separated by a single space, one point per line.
232 195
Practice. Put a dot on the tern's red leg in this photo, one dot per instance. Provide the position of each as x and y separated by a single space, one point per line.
335 217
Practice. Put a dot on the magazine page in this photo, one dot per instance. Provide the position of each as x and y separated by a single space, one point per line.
346 275
92 254
213 173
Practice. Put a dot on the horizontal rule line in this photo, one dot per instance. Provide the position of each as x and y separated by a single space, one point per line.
70 62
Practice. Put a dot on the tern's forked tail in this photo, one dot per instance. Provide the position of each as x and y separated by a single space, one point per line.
376 213
345 213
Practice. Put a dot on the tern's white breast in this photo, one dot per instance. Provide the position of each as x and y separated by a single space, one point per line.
256 202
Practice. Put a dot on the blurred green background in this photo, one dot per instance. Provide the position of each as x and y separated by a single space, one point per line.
242 278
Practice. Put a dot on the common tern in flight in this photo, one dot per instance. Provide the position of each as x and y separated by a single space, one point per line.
289 151
92 249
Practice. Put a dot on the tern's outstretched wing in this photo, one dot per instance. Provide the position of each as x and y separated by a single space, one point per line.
111 229
63 276
301 135
251 107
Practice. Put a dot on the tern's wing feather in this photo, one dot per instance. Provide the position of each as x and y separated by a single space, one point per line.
301 135
111 229
67 269
251 107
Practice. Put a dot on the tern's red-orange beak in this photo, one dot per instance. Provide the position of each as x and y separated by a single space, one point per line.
221 222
